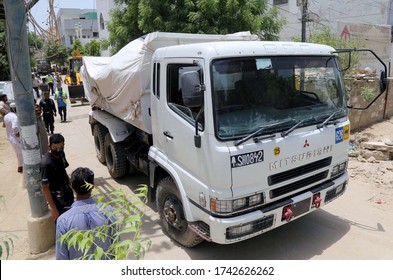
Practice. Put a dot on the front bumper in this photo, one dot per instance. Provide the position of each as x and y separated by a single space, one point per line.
234 229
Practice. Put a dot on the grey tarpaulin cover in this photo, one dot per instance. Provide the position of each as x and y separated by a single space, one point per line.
118 83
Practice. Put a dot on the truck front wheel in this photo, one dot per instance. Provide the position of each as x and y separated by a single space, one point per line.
116 160
171 213
99 132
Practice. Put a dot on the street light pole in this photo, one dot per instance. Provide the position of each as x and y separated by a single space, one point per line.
40 225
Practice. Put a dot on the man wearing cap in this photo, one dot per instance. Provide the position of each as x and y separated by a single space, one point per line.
11 125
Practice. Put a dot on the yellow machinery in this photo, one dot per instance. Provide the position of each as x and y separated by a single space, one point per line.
73 78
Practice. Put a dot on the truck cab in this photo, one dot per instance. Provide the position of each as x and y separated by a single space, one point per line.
238 136
252 135
43 66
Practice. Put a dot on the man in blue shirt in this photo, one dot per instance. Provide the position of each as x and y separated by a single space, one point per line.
83 215
61 98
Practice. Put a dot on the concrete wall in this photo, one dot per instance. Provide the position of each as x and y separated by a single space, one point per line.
380 110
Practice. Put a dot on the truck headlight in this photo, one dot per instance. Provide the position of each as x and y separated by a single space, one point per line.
339 169
236 205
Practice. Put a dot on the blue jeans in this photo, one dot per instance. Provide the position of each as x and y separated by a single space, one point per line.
63 113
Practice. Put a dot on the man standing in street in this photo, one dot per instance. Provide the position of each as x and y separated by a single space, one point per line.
11 125
49 112
4 107
84 214
36 84
55 180
61 98
50 81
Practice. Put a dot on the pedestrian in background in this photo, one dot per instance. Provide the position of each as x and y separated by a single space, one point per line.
42 134
84 214
49 112
61 98
49 79
4 107
59 81
55 180
12 128
36 84
44 86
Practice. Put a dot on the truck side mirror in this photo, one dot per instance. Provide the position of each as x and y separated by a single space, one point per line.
383 78
191 89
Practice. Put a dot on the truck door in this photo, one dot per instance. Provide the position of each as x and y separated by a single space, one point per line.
176 122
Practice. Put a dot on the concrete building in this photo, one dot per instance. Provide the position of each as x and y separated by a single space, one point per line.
77 23
103 13
369 21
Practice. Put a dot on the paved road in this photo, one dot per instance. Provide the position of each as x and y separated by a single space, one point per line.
348 228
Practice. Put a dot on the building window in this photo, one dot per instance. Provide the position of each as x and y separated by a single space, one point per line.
102 23
279 2
71 39
95 34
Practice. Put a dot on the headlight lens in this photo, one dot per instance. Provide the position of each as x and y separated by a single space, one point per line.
235 205
339 169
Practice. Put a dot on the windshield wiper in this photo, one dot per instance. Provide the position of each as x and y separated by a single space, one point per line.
260 130
285 133
329 118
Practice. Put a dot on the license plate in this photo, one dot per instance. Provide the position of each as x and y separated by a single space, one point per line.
247 159
301 207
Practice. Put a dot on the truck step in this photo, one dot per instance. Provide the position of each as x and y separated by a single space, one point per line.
201 229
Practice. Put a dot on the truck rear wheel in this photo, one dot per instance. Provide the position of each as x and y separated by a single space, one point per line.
115 155
171 213
99 132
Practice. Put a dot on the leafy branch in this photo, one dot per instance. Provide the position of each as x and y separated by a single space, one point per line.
6 241
125 229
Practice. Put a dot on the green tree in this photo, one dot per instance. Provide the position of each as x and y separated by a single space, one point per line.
124 26
77 46
63 55
35 41
4 66
137 17
92 48
56 52
35 44
128 215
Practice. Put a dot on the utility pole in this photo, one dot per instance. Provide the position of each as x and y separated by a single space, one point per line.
41 228
304 18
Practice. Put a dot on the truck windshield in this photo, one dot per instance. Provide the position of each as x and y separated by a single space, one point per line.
250 93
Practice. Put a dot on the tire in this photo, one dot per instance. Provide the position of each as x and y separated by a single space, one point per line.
99 132
115 155
171 213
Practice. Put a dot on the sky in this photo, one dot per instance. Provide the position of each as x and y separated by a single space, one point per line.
39 11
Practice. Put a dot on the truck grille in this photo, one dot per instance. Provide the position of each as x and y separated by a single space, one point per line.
298 171
299 184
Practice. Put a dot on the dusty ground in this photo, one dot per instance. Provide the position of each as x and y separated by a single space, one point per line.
376 175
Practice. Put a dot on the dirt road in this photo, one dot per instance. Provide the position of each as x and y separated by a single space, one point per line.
357 226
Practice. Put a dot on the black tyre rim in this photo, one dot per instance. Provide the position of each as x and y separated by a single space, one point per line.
173 213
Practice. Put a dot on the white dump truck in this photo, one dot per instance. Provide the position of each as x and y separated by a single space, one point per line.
238 136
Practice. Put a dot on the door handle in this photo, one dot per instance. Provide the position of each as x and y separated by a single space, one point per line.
168 134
